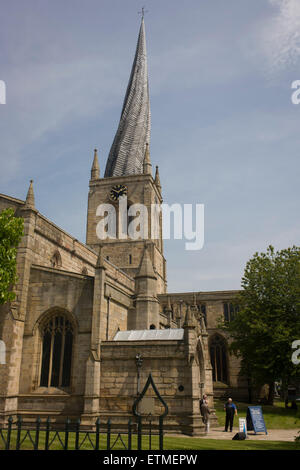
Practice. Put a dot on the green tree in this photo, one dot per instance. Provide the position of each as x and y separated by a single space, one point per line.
11 231
268 320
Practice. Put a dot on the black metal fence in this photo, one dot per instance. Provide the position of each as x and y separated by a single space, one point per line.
44 435
139 435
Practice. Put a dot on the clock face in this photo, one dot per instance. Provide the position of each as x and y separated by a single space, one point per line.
117 191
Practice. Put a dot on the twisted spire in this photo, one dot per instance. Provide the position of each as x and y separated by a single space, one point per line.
127 152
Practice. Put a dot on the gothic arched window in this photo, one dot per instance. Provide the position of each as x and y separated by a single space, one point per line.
57 337
218 357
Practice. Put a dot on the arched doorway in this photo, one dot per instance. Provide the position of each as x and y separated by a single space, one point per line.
218 358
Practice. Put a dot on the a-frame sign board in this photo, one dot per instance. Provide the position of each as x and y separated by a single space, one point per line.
255 419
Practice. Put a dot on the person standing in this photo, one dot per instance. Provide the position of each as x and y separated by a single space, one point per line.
205 411
231 411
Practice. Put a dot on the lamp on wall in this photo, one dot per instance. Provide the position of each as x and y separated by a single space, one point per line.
139 363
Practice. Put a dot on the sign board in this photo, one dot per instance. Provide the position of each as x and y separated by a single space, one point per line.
255 419
243 425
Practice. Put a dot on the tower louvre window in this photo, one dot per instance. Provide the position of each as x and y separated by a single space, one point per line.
57 336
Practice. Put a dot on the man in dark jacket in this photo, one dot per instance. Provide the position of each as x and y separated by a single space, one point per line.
231 411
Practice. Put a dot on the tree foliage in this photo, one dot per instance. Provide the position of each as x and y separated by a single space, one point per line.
11 231
268 320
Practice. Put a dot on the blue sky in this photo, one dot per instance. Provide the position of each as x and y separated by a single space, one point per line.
224 130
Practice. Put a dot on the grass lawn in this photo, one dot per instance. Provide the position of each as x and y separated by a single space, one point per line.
276 417
179 443
170 443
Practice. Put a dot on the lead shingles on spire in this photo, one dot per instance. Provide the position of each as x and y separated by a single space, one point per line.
127 152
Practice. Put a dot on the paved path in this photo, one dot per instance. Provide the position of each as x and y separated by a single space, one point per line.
273 435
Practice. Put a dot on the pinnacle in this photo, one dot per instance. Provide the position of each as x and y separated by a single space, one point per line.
95 171
157 179
146 266
188 322
30 203
147 167
100 263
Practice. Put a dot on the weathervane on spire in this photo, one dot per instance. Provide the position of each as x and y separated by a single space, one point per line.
143 12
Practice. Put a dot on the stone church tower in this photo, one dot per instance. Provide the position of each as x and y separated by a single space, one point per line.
83 313
129 172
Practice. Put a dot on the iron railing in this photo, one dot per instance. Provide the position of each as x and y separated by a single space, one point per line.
44 435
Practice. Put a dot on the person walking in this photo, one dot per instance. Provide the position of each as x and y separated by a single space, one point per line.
231 411
205 411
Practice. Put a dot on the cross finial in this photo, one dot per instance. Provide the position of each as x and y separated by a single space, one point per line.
143 12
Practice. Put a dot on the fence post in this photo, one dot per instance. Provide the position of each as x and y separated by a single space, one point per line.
129 434
67 434
47 433
77 434
150 432
37 433
108 434
19 426
139 433
97 434
161 433
10 421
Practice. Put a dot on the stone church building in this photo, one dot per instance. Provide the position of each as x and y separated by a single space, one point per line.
91 321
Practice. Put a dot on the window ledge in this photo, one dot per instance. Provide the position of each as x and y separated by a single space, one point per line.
51 391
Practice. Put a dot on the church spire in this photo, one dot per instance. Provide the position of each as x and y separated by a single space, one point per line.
127 152
95 171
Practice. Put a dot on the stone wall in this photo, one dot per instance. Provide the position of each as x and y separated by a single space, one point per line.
172 373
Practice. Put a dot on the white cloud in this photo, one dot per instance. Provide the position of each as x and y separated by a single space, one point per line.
280 35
